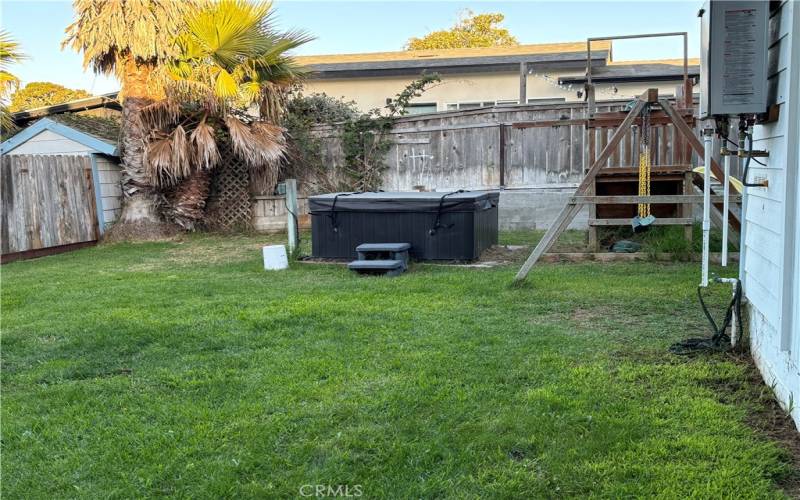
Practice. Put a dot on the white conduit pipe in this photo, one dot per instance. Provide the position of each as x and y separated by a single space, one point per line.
726 193
707 145
734 327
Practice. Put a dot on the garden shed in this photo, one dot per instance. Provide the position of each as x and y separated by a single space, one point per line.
61 184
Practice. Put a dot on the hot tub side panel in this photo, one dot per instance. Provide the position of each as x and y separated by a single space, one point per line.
486 224
453 240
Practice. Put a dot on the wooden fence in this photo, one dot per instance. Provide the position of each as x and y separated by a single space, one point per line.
48 204
528 146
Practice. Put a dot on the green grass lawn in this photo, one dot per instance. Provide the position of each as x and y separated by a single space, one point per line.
184 369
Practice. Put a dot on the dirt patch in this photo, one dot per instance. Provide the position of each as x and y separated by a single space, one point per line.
141 231
588 316
504 254
191 250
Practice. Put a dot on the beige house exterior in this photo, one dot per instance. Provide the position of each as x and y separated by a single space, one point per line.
480 77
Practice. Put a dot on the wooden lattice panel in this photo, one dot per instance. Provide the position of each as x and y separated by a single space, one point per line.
229 205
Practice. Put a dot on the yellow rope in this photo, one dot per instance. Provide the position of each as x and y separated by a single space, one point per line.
644 180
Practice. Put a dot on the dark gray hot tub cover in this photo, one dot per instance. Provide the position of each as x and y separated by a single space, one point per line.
465 201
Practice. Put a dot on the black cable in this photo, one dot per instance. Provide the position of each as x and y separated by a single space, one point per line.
747 163
332 213
737 147
438 224
719 340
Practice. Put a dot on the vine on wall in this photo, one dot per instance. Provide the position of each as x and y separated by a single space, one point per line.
364 137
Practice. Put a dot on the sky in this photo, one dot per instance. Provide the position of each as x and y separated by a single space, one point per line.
371 26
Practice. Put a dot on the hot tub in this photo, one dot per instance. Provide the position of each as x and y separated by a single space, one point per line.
439 226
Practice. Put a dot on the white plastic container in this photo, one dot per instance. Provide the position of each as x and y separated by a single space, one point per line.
275 258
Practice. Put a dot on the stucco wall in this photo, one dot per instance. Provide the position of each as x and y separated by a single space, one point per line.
370 93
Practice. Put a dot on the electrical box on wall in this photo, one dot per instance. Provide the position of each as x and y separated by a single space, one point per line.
733 58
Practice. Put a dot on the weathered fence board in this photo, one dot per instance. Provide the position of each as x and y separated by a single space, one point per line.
463 149
47 201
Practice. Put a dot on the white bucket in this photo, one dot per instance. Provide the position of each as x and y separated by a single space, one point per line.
275 257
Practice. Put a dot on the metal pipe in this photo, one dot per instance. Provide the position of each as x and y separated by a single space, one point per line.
734 330
725 194
707 145
646 35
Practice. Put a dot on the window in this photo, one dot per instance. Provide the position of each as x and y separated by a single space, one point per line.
547 100
453 106
419 108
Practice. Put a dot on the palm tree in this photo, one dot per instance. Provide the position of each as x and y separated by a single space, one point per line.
227 83
131 38
9 53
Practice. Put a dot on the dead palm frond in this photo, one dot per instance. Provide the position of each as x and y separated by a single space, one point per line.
230 74
110 32
206 152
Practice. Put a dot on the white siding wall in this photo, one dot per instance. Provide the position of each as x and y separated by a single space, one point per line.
48 142
770 264
110 174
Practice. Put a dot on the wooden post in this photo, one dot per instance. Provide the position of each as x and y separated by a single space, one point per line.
91 192
571 209
291 203
686 208
502 157
695 144
593 242
523 83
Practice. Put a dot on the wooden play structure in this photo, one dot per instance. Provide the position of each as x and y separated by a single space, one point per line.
617 192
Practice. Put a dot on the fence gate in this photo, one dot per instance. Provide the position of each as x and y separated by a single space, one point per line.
48 205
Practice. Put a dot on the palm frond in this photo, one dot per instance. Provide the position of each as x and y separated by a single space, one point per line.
206 153
158 156
10 53
160 114
107 31
180 163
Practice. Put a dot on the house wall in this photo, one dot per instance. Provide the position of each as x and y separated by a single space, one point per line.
770 263
370 93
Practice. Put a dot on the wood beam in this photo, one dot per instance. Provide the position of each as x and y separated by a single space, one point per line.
698 148
571 209
523 83
653 199
663 221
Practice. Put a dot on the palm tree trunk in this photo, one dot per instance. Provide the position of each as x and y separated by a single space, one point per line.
187 202
140 217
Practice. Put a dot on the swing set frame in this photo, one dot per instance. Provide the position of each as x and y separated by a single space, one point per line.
683 122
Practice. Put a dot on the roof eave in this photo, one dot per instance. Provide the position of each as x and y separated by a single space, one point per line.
599 58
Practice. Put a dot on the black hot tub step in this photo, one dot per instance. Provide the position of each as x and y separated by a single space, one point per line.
388 267
383 247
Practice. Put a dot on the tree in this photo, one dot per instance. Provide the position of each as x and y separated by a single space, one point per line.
228 82
130 39
10 53
39 94
471 30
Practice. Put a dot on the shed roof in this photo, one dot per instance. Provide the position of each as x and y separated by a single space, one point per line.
93 132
